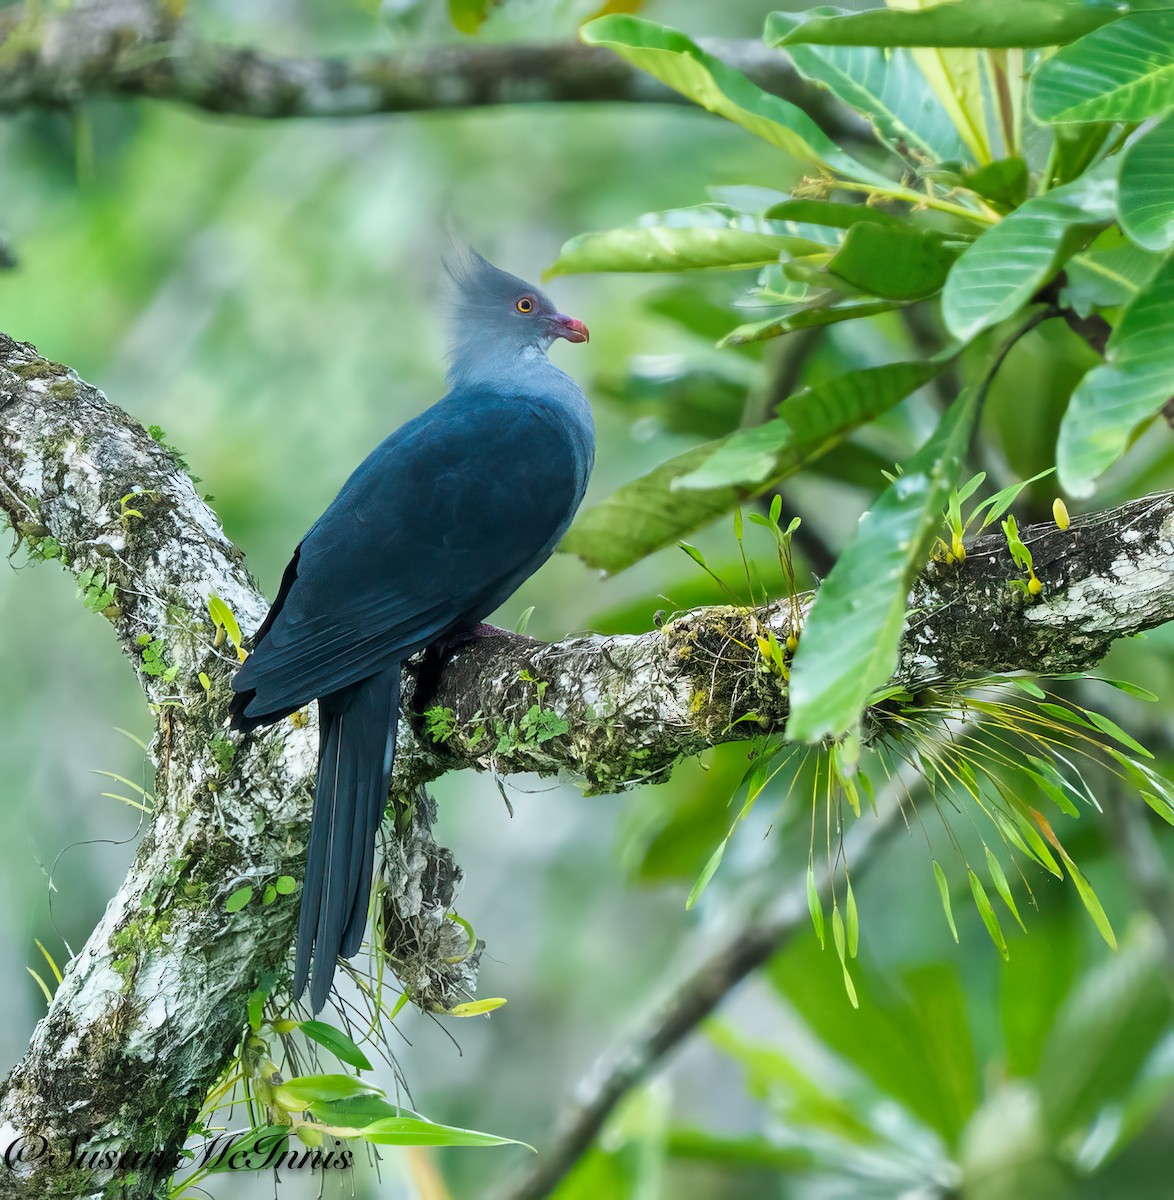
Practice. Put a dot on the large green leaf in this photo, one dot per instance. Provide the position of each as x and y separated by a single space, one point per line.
807 317
704 483
1145 189
1135 381
1000 272
1124 72
646 515
848 647
1104 1034
681 64
831 213
991 24
895 264
684 239
885 86
809 423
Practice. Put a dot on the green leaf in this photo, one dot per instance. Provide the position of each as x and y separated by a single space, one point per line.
469 15
646 515
807 317
832 214
1145 198
983 904
222 617
1003 182
476 1008
357 1112
286 885
1123 72
303 1091
415 1131
896 264
1105 725
849 643
1103 1035
238 899
1001 271
944 891
999 879
990 24
1089 899
707 873
336 1042
713 241
887 87
809 423
814 905
678 62
1134 383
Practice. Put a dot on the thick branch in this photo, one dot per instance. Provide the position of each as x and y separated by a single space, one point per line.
634 705
132 48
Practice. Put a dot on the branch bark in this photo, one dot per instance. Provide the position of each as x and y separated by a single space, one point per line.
61 57
151 1009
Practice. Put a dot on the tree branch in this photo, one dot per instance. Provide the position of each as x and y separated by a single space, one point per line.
151 1010
135 48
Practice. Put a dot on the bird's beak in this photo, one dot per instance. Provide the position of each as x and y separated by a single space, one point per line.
569 328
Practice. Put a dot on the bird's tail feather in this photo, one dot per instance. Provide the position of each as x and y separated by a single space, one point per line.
356 749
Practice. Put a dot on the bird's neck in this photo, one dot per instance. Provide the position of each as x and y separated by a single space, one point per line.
501 367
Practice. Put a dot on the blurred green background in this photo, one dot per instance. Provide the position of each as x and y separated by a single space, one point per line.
271 295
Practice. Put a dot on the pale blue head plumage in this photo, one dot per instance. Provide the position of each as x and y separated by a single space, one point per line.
497 322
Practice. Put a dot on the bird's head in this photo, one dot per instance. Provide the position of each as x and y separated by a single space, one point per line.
497 317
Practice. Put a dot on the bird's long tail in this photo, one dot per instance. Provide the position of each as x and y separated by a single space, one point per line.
356 747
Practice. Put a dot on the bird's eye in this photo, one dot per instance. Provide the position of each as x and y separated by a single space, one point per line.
525 305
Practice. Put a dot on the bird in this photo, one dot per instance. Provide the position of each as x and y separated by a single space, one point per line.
435 529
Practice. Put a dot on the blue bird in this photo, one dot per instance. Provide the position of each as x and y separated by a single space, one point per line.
434 530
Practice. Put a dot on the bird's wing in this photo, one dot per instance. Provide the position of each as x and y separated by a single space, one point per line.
433 530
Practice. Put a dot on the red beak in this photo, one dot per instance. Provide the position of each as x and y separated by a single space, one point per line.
572 330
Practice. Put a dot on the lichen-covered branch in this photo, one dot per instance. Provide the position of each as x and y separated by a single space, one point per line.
622 710
54 56
151 1009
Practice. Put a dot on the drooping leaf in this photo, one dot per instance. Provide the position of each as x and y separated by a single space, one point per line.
681 64
944 892
849 643
646 515
1145 197
1011 261
1135 381
989 919
886 87
809 423
991 24
336 1042
708 236
895 264
1122 72
415 1131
